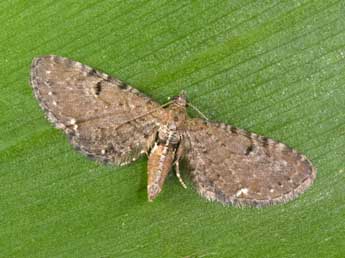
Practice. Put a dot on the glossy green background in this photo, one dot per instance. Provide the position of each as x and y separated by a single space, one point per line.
273 67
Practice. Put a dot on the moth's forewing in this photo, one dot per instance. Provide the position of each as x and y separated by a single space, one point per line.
233 166
92 108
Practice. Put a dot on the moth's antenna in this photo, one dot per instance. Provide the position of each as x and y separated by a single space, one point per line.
197 110
152 111
129 120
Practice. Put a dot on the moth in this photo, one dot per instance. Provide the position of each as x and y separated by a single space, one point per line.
110 121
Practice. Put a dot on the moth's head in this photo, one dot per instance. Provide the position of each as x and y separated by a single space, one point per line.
181 99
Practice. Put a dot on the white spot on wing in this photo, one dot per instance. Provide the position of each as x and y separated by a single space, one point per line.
281 146
60 125
243 191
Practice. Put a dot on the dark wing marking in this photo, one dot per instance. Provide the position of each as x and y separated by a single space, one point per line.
236 167
91 107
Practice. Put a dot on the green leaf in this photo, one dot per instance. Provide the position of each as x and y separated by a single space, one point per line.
273 67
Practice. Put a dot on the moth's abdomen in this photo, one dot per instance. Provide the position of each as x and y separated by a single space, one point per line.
159 164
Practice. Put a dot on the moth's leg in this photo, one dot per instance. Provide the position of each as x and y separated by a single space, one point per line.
179 155
177 167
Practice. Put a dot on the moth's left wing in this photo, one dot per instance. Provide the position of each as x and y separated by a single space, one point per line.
236 167
99 113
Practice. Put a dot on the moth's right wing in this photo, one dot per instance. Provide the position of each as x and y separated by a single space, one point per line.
233 166
92 108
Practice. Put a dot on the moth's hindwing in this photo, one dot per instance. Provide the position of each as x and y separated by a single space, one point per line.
92 108
233 166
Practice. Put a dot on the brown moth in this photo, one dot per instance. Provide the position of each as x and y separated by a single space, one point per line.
110 121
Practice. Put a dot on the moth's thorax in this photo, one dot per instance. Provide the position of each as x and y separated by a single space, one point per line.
168 133
176 115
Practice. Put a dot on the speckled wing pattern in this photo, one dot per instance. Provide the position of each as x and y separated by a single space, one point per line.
233 166
92 108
